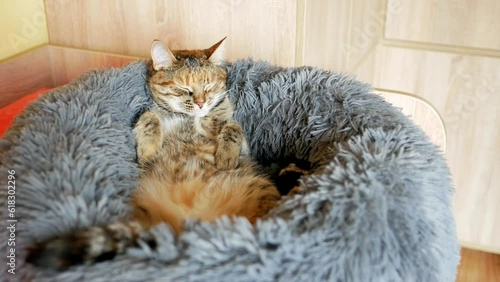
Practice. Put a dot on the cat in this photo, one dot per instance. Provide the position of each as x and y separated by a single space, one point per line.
193 156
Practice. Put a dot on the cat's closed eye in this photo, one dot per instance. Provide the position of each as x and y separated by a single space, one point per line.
186 90
165 90
208 87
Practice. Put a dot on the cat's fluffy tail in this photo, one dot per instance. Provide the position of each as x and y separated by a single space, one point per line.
87 246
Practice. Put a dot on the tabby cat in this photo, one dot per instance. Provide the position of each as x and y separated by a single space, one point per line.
193 156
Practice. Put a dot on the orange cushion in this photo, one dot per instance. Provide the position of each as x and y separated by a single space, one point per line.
8 112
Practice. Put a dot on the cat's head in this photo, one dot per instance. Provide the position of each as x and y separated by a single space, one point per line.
188 81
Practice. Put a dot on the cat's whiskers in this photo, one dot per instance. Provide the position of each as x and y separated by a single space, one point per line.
219 97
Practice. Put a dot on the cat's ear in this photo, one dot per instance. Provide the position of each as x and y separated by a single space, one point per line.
217 53
161 55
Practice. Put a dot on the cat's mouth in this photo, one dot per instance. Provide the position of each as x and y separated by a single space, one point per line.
202 111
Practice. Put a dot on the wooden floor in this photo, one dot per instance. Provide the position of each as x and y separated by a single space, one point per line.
478 266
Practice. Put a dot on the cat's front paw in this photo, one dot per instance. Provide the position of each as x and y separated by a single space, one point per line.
229 146
146 152
226 158
149 137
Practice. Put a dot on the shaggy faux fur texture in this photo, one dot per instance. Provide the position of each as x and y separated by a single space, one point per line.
376 208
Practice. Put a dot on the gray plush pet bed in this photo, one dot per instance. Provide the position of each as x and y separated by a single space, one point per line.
376 208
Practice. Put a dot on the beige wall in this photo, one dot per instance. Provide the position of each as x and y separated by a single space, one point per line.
23 26
446 52
260 28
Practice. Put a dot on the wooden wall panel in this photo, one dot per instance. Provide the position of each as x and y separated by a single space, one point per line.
50 66
24 74
366 30
68 64
259 28
326 34
452 22
365 71
338 35
464 89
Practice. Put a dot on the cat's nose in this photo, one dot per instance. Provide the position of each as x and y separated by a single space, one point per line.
200 103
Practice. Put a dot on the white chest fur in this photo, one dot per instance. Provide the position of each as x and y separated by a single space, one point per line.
199 128
172 123
178 123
